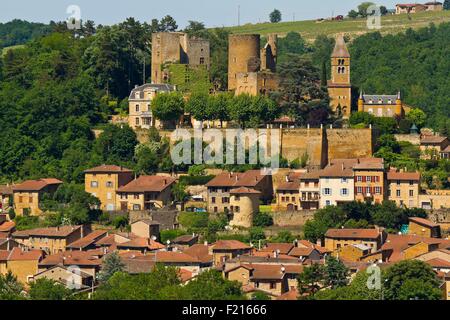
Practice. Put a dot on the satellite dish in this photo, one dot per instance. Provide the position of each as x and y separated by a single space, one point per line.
153 238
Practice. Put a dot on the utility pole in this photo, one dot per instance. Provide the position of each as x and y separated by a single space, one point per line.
239 15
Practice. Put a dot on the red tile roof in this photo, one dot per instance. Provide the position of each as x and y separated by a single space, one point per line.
7 226
244 190
353 233
249 178
4 255
88 240
148 184
108 169
394 175
57 232
230 245
67 258
200 252
6 190
141 243
17 255
36 185
174 257
284 248
289 186
438 263
423 222
429 139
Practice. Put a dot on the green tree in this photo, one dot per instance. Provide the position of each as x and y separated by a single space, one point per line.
262 219
112 264
275 16
353 14
168 24
336 273
168 106
116 144
411 279
10 288
417 117
311 279
197 105
363 8
179 192
447 5
47 289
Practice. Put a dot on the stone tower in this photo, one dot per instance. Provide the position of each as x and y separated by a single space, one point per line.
399 105
244 204
243 56
339 87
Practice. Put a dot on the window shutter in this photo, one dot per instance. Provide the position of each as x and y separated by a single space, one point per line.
364 179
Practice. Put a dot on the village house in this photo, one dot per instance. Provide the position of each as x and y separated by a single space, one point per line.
104 181
338 238
310 190
51 240
224 250
28 194
434 147
434 6
140 108
88 262
424 228
140 244
145 193
434 199
23 263
288 193
145 228
403 188
336 183
218 189
409 8
382 105
68 276
369 180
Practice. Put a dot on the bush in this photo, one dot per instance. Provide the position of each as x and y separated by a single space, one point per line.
120 222
256 234
262 220
193 219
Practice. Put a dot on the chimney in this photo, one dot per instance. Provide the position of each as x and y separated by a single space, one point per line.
342 166
283 269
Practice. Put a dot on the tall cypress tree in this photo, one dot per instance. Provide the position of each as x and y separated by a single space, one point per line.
324 74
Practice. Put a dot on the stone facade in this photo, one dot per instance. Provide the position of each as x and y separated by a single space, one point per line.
244 205
176 47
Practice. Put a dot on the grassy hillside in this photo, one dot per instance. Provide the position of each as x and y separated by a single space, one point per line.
353 27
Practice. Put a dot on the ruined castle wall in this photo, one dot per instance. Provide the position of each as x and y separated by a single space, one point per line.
296 142
349 143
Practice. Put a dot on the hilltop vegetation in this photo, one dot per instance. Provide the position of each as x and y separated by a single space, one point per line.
18 32
310 29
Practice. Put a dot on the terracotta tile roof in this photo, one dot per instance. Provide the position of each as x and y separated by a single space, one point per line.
230 245
396 244
174 257
57 232
353 233
106 241
284 248
244 190
200 252
17 254
430 139
108 169
187 238
447 149
36 185
90 239
249 178
307 244
394 175
423 222
67 258
369 164
148 184
289 186
185 275
271 255
136 266
273 271
141 243
310 175
4 255
6 190
290 295
301 252
438 263
7 226
336 168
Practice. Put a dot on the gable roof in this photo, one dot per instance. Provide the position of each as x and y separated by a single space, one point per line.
141 243
431 139
353 233
67 258
249 178
230 245
57 232
148 184
244 190
90 239
105 168
17 254
36 185
423 222
284 248
395 175
7 226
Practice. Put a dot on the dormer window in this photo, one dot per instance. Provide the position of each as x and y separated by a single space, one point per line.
137 95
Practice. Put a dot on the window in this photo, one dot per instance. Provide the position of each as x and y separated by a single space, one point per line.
225 200
109 184
215 209
273 285
359 190
327 191
378 190
411 193
237 198
398 193
411 183
344 192
213 199
202 60
237 209
136 207
293 199
137 121
328 203
344 180
137 108
94 184
136 196
369 179
30 199
368 190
